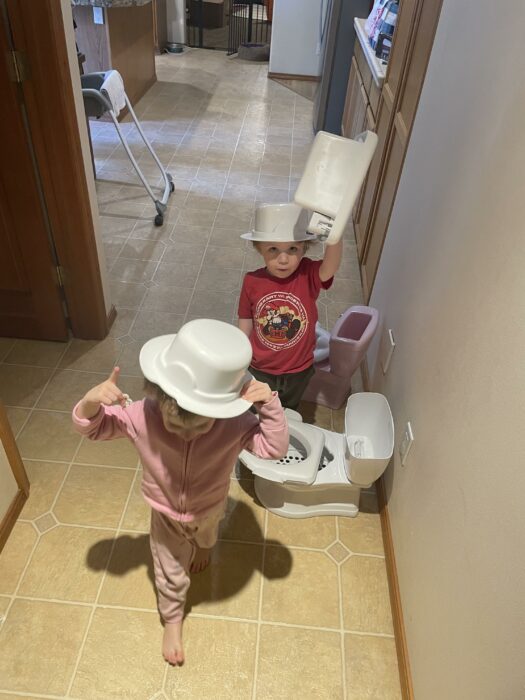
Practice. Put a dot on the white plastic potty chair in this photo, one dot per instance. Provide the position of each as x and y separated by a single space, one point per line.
323 472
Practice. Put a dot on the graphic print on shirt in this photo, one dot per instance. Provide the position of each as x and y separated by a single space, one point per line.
281 320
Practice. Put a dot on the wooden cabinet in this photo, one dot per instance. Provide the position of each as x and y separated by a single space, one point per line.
125 41
390 112
362 97
356 104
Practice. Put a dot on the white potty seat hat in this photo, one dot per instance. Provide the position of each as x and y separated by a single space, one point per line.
280 223
203 367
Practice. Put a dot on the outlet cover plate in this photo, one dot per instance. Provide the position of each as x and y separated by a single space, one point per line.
388 345
406 442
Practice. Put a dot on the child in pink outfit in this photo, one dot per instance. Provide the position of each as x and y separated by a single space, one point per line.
187 457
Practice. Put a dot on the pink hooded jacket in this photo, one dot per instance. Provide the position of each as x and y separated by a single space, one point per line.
188 479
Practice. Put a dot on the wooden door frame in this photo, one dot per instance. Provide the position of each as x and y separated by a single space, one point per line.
7 439
39 34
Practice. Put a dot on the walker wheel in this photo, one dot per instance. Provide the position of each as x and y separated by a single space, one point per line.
159 220
172 187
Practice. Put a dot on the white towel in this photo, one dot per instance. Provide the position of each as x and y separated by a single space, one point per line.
113 87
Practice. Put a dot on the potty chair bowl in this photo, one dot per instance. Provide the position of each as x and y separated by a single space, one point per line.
203 367
279 223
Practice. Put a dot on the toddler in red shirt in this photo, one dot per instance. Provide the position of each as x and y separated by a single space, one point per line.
278 302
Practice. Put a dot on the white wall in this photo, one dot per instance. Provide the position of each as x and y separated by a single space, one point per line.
295 46
82 127
451 284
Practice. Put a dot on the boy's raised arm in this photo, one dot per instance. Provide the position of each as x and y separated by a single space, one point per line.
331 260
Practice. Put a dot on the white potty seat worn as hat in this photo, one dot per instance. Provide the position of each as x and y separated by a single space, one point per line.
280 223
203 367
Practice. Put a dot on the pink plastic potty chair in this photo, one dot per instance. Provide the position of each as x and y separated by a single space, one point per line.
349 341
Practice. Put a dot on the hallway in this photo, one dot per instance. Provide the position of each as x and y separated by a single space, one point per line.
289 608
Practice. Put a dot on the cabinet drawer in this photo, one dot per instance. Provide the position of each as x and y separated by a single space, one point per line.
364 70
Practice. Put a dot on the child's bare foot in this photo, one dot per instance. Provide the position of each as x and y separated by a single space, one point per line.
201 560
172 643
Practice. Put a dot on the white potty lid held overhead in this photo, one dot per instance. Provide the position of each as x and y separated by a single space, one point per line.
301 463
334 172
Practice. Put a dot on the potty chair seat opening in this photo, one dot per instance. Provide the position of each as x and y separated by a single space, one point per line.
300 464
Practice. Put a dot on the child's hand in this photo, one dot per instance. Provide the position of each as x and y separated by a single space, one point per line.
106 393
256 392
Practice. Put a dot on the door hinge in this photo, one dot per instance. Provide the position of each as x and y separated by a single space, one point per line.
18 66
59 275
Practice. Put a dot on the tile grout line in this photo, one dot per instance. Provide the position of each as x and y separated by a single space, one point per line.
33 407
290 194
33 524
39 535
101 584
341 616
139 308
215 217
259 614
28 694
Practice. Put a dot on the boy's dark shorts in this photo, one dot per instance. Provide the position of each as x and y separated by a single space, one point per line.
290 387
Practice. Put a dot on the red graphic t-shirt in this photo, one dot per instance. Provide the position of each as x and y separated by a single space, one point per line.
284 314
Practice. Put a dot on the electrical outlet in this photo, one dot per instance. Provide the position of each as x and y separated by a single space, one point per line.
406 442
388 345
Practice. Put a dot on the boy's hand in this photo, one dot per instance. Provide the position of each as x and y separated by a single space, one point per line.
256 392
331 261
106 393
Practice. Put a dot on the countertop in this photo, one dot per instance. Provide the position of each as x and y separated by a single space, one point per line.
110 3
377 67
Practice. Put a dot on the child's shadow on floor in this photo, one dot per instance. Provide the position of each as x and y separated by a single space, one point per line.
234 559
129 552
236 556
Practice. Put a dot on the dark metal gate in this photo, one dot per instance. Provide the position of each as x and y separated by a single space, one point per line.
226 24
250 23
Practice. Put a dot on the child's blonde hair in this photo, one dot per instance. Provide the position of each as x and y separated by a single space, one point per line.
155 392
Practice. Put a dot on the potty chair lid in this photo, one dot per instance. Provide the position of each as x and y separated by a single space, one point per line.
369 427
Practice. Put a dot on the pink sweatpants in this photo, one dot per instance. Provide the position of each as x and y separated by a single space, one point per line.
173 546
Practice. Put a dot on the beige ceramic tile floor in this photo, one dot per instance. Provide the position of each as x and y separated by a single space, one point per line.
289 608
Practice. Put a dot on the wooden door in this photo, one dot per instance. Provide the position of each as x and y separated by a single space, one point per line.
30 300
